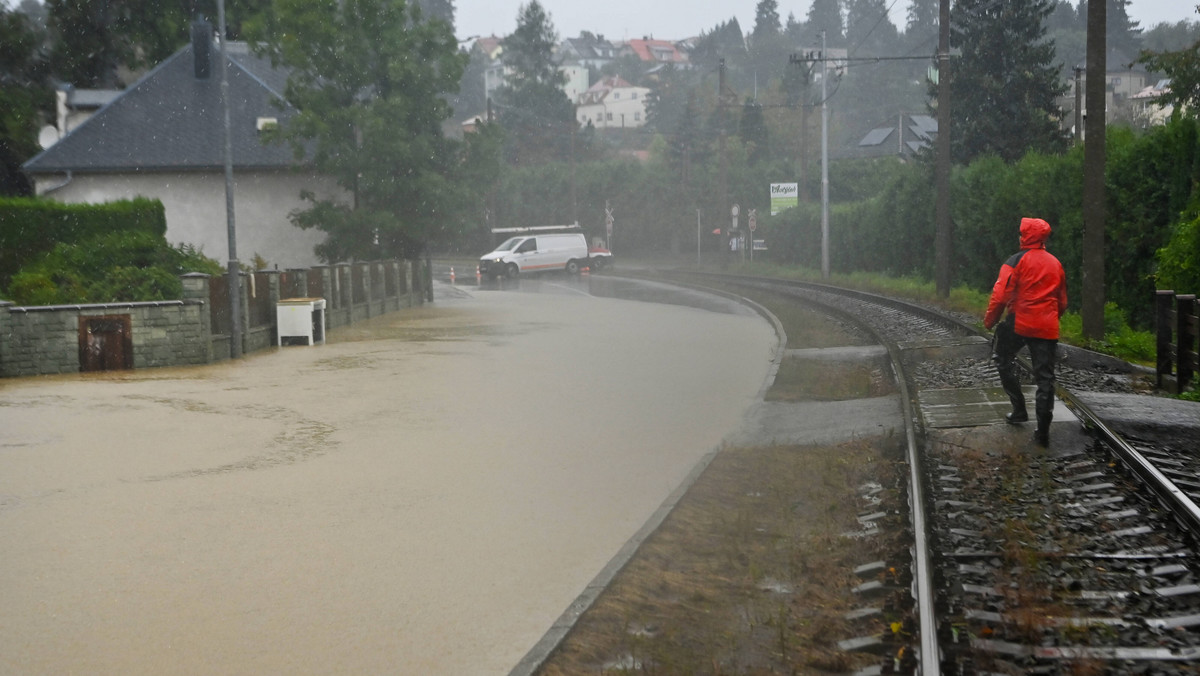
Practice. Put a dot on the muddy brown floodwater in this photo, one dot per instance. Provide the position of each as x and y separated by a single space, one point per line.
423 495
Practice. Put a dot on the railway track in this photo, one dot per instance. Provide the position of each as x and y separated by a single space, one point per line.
1083 559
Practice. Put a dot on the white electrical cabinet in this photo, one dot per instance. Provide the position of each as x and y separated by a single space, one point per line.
301 318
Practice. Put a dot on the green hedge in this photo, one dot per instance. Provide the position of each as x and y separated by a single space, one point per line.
32 227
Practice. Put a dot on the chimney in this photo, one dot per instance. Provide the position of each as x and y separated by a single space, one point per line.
202 48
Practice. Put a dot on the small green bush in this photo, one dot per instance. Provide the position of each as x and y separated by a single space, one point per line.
1120 340
125 266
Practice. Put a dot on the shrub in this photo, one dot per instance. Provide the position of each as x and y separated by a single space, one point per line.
126 266
29 228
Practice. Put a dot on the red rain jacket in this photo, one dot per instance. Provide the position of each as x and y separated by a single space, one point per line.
1031 285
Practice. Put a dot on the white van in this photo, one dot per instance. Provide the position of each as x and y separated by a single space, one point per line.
536 253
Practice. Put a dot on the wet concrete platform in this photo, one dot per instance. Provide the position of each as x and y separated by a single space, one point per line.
974 407
974 417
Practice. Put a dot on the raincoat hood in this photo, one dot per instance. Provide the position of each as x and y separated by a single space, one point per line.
1034 232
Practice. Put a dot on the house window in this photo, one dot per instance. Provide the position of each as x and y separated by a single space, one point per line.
635 96
616 95
637 117
610 117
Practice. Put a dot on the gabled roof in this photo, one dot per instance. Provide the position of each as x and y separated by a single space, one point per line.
657 51
490 46
171 120
603 87
591 49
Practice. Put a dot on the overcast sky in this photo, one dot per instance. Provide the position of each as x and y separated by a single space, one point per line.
677 19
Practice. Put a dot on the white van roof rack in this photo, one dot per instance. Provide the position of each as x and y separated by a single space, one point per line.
535 228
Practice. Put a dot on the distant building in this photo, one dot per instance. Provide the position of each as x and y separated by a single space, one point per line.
904 135
655 51
612 103
74 106
1149 107
587 50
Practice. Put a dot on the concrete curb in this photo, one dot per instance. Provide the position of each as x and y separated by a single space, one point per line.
541 651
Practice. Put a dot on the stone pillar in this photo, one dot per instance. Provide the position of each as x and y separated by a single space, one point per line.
327 286
393 271
298 288
274 293
368 287
347 287
196 292
5 336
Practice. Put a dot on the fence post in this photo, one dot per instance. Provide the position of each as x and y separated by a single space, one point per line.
1163 300
368 285
1185 340
297 286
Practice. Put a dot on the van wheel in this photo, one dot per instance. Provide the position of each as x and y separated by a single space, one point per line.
512 271
572 267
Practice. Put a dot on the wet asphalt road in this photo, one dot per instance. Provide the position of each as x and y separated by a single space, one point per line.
423 495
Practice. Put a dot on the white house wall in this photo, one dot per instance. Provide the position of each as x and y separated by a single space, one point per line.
195 209
624 107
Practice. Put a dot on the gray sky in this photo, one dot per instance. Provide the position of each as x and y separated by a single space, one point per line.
677 19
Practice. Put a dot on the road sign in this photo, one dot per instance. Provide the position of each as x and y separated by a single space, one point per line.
753 219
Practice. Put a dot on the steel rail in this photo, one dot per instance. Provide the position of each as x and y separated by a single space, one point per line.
1183 507
1186 511
929 657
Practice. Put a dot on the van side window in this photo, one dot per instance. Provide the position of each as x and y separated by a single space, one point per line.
527 246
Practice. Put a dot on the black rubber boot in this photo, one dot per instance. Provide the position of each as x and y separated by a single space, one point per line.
1041 436
1012 387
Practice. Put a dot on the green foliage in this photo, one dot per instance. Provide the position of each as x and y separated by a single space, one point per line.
1006 84
1151 181
32 227
113 267
24 95
1179 260
1183 67
94 39
370 80
537 115
1120 340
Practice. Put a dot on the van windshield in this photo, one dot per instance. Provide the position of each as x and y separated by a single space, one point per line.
509 244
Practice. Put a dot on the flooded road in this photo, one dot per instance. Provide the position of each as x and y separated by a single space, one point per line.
423 495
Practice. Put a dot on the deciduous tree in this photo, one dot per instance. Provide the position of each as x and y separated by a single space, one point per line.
1183 67
369 78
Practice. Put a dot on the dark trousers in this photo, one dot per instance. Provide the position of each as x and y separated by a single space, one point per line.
1042 352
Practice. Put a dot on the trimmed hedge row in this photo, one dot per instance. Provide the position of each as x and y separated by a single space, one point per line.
31 227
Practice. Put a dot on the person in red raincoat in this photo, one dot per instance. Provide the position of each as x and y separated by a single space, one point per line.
1033 289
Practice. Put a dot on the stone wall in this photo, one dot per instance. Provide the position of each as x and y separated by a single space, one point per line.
40 340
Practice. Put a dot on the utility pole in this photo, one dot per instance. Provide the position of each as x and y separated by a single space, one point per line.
723 162
574 202
1078 105
943 240
824 161
235 275
1093 175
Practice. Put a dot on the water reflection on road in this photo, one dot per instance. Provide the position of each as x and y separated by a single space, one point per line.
424 494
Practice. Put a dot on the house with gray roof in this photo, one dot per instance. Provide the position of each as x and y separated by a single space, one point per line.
905 135
163 138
